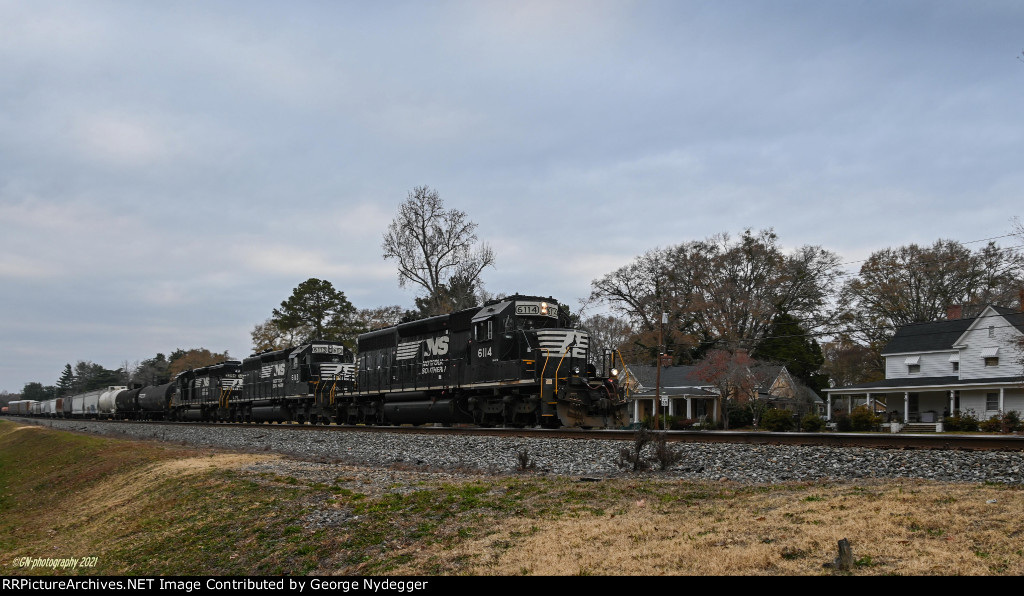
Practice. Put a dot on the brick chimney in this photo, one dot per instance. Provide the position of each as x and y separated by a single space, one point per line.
954 312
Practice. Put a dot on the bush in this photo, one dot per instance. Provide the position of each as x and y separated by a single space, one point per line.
961 422
740 415
842 420
812 423
1011 422
862 418
992 425
1008 422
671 422
777 420
682 423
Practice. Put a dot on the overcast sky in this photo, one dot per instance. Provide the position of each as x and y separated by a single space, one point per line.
170 171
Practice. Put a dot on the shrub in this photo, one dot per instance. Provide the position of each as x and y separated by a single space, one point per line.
777 420
682 423
812 423
1007 422
740 415
961 422
1011 422
842 420
992 425
969 421
633 458
665 455
862 418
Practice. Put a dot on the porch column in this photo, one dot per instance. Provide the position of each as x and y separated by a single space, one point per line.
689 409
867 402
828 414
952 401
906 407
849 404
1001 390
671 407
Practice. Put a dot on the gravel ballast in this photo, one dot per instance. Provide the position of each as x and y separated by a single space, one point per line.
430 452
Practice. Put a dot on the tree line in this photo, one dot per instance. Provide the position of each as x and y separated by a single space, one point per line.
741 294
747 294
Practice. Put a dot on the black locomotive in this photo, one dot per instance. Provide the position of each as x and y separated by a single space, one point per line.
516 361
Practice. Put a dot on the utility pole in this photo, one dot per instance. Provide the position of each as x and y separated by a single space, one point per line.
661 354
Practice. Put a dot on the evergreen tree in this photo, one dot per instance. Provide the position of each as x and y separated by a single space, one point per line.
36 391
323 311
788 344
66 382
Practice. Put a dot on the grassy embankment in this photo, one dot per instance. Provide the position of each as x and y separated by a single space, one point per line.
149 508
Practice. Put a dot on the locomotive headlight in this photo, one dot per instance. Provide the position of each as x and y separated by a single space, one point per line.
575 370
543 308
615 372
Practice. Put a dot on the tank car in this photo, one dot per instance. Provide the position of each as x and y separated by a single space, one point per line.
516 361
126 404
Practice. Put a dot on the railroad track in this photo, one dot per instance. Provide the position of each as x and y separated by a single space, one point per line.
934 441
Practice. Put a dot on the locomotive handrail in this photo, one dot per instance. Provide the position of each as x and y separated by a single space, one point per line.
547 358
559 367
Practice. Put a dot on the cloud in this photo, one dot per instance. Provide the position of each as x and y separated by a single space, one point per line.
120 139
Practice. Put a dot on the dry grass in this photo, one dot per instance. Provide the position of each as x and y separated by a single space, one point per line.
907 528
142 507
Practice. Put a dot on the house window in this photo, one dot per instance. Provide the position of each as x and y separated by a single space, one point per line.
991 330
992 402
913 368
956 367
992 361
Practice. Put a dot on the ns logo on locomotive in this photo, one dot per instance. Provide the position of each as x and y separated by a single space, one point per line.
516 361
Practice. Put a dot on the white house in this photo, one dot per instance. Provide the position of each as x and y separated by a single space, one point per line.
934 369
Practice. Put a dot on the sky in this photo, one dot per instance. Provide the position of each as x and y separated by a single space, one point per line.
171 171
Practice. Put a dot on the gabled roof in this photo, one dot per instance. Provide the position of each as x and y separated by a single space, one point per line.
997 316
927 337
943 335
671 376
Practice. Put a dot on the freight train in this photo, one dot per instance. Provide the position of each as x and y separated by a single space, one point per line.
515 361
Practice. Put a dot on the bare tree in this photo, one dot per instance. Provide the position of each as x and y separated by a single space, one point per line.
435 249
915 284
736 377
382 316
607 332
268 336
723 291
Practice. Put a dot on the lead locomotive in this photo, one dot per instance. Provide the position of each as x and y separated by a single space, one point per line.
515 361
